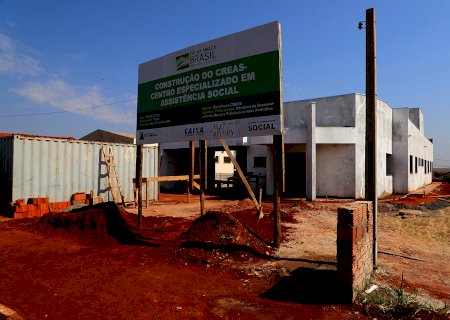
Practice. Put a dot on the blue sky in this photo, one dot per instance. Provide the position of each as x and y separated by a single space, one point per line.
83 56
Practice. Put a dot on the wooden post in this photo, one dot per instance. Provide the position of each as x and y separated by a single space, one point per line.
191 166
139 182
188 193
277 187
203 159
371 124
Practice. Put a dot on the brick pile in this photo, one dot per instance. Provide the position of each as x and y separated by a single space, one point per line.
85 198
37 207
80 198
354 247
59 206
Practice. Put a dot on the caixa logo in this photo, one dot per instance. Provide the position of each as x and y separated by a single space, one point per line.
193 131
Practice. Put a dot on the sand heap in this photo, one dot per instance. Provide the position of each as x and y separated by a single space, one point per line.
222 230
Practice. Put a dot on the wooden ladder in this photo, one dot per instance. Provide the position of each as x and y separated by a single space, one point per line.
113 176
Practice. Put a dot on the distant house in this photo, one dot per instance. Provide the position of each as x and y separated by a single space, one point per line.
223 166
111 137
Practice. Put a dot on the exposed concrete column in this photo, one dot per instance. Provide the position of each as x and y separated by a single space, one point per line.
311 185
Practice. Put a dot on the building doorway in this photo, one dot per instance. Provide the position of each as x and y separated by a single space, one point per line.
295 175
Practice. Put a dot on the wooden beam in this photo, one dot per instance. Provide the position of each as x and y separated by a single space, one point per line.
168 178
196 185
242 176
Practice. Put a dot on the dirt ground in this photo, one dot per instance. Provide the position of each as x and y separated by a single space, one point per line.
95 264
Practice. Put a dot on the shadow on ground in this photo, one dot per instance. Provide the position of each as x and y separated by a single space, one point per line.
308 286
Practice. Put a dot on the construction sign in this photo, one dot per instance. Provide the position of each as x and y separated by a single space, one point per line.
225 88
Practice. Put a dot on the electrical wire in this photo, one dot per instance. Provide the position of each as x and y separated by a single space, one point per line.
66 110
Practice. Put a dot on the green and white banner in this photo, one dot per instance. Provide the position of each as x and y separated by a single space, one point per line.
225 88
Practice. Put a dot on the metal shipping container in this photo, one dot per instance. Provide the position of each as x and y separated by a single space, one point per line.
32 167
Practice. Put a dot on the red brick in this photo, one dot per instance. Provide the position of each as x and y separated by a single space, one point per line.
37 200
24 207
20 215
354 246
43 208
78 196
59 206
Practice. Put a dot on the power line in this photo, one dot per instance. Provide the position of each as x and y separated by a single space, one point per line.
66 110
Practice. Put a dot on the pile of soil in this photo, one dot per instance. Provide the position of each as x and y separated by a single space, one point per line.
416 203
222 230
263 228
105 221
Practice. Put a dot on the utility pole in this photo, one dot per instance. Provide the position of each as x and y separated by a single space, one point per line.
371 124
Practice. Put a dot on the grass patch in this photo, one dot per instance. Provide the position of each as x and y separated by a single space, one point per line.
395 303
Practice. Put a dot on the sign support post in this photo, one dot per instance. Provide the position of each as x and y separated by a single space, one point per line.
203 186
277 187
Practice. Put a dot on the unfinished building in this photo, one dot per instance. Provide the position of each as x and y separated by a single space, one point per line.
325 150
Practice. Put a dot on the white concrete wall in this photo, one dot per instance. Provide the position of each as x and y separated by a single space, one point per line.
335 131
384 146
336 111
416 117
257 151
360 142
400 150
409 140
335 170
419 146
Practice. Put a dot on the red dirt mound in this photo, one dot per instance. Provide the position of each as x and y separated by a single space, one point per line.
222 230
263 227
104 221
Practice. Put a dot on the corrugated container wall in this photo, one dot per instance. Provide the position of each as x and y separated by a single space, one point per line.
41 167
6 160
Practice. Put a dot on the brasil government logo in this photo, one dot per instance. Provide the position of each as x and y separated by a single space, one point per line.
182 61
